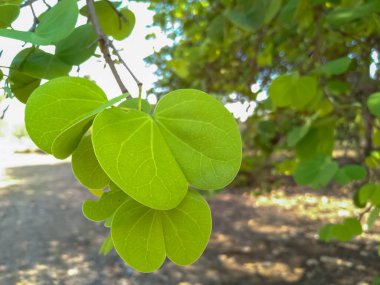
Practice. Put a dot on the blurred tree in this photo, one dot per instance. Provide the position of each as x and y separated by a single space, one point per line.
314 64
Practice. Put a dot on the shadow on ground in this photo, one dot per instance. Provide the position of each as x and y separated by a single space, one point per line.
46 240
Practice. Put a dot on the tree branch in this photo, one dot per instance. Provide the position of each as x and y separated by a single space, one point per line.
104 44
116 52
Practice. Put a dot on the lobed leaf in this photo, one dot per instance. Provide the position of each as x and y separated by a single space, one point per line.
60 111
132 151
143 236
202 135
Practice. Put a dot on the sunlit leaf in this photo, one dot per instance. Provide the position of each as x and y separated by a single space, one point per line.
86 167
143 236
60 111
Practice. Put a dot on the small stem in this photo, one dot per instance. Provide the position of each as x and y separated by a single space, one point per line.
104 44
140 91
35 22
361 215
138 82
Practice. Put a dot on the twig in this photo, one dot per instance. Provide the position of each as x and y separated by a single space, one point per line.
104 44
361 215
138 82
4 111
35 18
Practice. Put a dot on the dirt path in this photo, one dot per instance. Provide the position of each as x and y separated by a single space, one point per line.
265 240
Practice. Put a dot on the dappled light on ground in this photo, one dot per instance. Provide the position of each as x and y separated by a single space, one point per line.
267 239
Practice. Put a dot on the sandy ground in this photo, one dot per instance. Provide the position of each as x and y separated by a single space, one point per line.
269 239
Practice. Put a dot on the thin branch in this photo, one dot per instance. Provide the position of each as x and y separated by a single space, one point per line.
104 44
138 82
365 211
4 111
35 18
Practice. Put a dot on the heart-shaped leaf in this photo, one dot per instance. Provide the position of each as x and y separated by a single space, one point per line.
191 135
143 236
60 111
86 167
133 153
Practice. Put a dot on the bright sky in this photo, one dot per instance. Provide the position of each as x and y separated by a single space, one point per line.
134 49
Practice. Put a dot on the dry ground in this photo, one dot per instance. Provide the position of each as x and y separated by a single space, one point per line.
270 239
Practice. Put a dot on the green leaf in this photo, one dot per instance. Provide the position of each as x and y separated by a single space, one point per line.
354 226
203 137
79 46
297 133
326 233
180 67
373 217
349 173
248 15
1 75
369 193
55 25
293 91
316 172
338 87
273 8
133 103
317 140
143 237
106 246
119 26
105 207
39 64
215 31
59 21
8 13
132 151
342 15
22 85
342 233
86 167
60 111
373 104
335 67
192 136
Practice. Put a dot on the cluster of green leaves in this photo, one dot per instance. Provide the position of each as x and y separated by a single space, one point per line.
144 166
148 159
311 60
57 26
